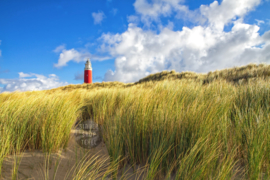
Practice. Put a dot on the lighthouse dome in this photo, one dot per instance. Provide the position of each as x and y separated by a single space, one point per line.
88 65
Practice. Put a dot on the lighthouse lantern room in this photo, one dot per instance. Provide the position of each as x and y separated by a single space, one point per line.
88 72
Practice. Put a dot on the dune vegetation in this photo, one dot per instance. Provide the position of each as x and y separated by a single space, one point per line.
178 125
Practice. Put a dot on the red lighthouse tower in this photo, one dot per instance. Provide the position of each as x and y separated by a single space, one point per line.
88 72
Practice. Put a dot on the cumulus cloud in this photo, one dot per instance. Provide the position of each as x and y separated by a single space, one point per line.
259 22
133 19
98 17
37 82
216 14
71 54
59 48
202 48
153 10
23 75
74 55
219 15
156 8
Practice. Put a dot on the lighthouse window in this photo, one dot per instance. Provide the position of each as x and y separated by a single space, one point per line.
87 75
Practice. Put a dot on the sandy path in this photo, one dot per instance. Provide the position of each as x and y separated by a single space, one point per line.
32 164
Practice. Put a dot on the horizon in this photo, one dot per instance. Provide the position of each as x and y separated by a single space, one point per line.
45 44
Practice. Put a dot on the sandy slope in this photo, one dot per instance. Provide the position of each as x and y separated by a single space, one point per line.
33 162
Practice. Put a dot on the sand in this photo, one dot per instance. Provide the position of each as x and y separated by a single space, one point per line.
32 163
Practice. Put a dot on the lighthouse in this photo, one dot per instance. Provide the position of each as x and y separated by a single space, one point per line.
88 72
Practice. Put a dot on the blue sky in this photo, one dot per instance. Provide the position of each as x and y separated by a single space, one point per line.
45 43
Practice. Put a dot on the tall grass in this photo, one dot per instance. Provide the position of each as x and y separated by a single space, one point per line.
35 121
212 128
181 128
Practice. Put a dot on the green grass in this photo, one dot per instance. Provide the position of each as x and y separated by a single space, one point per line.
187 125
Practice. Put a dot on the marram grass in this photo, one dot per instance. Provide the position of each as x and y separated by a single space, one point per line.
212 126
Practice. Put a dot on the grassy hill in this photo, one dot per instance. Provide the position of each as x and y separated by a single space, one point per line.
236 75
195 126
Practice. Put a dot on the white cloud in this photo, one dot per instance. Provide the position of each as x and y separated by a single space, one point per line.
266 36
38 82
170 25
133 19
201 48
72 54
157 8
75 55
59 48
259 22
152 11
219 15
23 75
98 17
